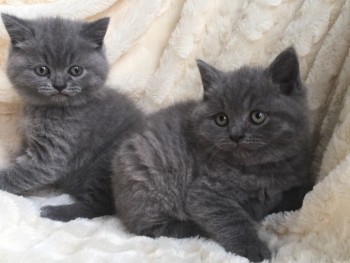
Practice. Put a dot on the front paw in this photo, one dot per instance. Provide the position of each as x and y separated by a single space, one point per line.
52 212
256 252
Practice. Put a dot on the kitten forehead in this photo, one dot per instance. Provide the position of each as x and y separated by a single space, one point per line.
61 30
58 39
245 85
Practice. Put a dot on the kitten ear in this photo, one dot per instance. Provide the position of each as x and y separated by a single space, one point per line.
17 28
209 75
96 31
284 70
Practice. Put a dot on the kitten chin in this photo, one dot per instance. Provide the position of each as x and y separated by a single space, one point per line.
62 99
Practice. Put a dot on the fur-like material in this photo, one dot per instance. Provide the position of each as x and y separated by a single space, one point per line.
152 47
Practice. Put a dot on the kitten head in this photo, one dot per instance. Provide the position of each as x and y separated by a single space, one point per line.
255 115
55 61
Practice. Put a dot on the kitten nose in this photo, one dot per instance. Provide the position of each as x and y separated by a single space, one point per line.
59 87
237 132
236 137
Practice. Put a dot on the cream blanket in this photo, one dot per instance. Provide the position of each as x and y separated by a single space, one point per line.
152 46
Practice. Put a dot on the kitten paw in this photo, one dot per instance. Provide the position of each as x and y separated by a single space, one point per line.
53 212
257 252
70 212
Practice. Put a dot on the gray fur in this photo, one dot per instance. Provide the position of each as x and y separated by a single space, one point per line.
183 175
71 124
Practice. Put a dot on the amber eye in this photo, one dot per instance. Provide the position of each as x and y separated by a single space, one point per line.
257 117
76 71
42 71
221 119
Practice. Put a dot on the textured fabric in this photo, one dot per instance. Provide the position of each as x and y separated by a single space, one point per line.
152 46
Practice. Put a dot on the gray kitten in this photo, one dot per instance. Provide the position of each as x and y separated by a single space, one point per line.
216 167
71 122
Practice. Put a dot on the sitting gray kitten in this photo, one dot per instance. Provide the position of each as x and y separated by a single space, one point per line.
216 167
71 122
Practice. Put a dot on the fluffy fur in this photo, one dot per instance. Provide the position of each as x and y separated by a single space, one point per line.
207 168
71 123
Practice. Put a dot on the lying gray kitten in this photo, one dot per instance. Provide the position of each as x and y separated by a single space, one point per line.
216 167
71 122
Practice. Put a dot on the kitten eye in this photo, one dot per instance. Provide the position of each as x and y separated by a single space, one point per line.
221 119
42 71
76 71
257 117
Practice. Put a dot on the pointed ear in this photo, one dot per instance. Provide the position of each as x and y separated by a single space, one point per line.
209 75
96 31
18 29
284 70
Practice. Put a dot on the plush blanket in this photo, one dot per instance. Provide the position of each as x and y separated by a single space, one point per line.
152 46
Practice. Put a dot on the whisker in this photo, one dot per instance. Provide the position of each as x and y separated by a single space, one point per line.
212 151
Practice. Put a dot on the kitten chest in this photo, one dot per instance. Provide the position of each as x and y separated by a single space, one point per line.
51 132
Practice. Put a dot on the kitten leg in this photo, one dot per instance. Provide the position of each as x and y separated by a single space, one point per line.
226 222
149 214
70 212
25 175
90 203
174 228
146 218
